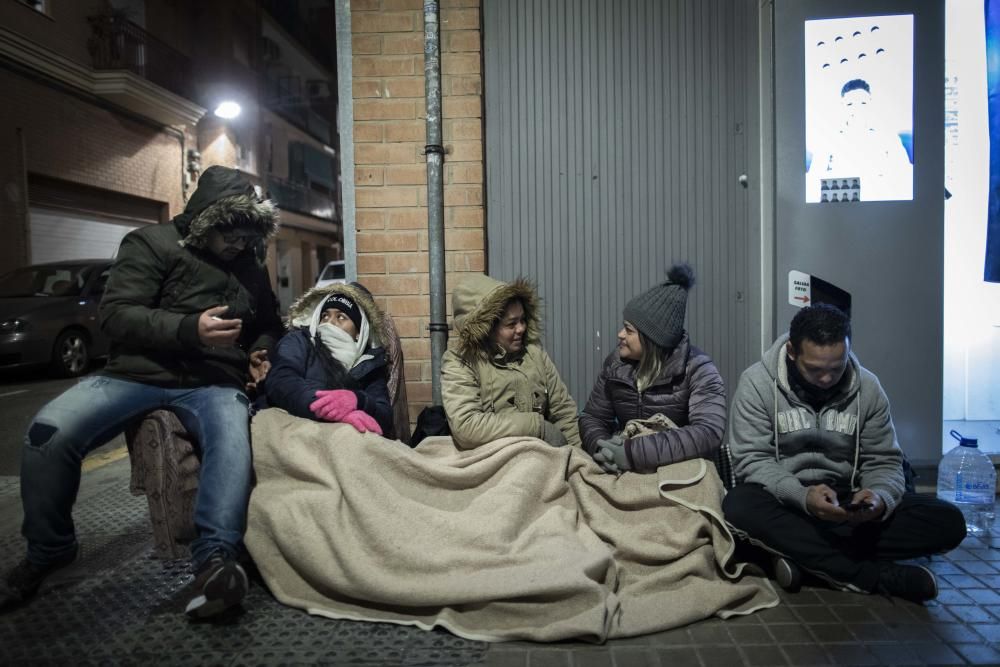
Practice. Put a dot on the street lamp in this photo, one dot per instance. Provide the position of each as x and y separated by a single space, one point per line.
228 109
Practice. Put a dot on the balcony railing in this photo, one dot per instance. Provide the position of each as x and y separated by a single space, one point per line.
301 198
117 43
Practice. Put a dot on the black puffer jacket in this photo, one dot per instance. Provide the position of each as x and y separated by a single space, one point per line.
297 372
164 278
689 391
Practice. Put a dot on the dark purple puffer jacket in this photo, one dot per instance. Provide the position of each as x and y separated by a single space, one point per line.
689 391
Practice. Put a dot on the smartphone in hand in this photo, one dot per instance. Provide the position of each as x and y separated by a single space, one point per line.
857 507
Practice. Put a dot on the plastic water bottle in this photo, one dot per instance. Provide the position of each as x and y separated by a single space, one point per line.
967 478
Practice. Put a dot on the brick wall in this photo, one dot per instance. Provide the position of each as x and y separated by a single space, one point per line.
64 29
75 140
390 173
71 139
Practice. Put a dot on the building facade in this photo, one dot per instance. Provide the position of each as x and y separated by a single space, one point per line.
109 122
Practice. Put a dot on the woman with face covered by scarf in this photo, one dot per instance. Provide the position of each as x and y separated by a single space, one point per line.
331 366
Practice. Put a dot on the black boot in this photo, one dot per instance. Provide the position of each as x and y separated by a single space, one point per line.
910 582
22 582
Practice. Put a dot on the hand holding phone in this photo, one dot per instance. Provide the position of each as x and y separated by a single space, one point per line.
215 330
858 507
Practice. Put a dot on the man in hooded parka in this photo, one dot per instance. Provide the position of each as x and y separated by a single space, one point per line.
191 315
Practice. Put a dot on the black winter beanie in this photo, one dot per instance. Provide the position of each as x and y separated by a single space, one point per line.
346 305
659 312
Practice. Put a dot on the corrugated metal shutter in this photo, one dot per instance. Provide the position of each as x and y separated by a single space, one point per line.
615 138
59 235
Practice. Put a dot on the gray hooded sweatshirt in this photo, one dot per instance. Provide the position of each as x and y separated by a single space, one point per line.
779 441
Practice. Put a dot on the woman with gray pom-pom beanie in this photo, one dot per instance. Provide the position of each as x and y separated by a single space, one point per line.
655 370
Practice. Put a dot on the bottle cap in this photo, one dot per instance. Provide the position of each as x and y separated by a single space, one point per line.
963 441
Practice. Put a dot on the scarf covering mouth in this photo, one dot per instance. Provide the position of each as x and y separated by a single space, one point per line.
341 345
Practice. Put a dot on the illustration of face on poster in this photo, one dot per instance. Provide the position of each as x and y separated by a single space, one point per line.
859 108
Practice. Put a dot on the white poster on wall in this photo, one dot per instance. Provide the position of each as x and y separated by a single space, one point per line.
859 109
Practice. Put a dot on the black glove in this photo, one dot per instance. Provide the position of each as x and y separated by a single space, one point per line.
553 435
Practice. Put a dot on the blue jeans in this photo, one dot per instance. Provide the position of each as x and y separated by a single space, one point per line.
96 410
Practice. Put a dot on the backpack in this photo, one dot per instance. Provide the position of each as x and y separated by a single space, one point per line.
431 421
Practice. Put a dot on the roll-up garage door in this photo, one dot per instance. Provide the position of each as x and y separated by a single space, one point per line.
59 235
616 137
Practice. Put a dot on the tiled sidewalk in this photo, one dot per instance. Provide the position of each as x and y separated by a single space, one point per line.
817 626
118 606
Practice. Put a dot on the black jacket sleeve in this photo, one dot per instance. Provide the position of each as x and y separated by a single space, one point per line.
597 421
267 324
374 399
287 385
130 308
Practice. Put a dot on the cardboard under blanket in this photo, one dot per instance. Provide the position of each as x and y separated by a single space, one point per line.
515 540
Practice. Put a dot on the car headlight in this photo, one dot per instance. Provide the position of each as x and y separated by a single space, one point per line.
13 325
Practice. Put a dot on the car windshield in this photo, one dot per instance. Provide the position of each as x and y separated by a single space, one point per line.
62 280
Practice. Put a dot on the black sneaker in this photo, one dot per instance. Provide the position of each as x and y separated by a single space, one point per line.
787 574
910 582
221 583
22 582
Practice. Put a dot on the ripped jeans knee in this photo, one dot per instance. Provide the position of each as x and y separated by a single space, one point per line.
39 434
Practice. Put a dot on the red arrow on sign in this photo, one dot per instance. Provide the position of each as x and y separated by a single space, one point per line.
803 298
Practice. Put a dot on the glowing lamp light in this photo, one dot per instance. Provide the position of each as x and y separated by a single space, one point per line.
228 109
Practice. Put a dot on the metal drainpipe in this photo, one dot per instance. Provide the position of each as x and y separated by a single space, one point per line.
435 193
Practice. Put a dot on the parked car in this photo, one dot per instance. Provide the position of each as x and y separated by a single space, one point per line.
48 315
333 272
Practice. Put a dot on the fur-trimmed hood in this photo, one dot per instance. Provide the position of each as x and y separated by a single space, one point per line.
225 199
301 311
479 301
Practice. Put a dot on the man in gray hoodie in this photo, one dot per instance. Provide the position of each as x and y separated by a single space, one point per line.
819 472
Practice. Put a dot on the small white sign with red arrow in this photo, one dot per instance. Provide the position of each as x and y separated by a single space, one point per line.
799 288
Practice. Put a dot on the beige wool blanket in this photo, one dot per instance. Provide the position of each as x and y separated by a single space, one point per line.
515 540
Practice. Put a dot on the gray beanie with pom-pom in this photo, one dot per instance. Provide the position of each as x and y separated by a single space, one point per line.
658 313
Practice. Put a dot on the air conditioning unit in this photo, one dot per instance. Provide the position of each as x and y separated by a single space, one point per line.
269 50
317 88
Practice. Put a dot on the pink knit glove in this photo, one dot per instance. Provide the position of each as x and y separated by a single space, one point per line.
333 405
362 421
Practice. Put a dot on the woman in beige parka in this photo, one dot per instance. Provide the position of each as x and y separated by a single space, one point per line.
498 381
